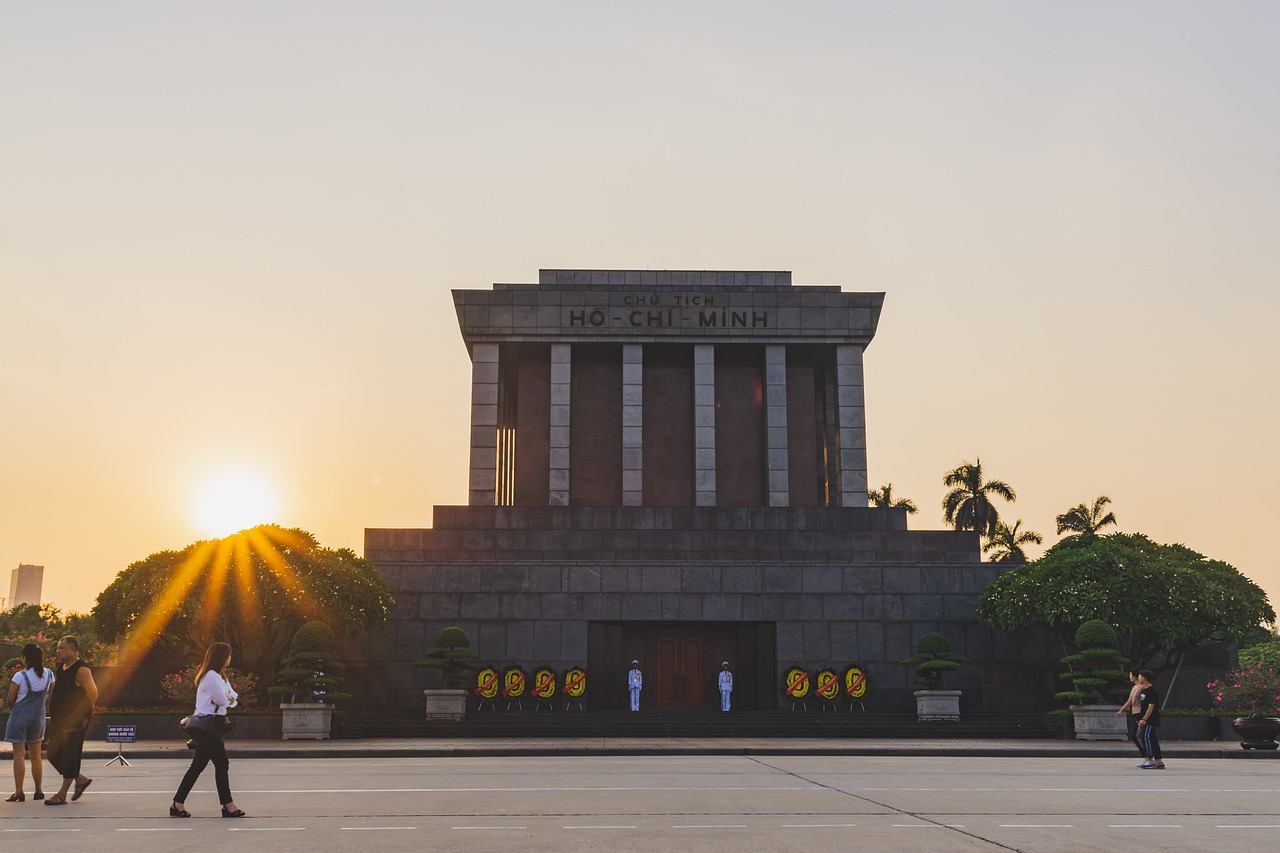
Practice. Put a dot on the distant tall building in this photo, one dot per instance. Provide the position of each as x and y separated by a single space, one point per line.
25 583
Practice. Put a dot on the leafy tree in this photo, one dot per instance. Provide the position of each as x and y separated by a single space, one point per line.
1160 598
968 505
883 497
1086 520
452 654
933 659
1006 542
1096 671
253 590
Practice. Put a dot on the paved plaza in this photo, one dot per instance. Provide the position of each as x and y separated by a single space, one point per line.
674 802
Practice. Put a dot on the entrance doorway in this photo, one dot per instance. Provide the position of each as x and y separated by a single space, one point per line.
680 662
679 673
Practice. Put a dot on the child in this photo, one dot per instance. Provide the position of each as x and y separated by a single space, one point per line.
1149 722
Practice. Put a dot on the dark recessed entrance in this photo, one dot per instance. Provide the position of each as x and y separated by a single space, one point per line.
680 661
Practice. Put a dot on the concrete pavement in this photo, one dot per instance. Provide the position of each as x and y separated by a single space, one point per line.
601 746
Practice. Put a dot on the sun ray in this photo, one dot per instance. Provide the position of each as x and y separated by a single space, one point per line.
214 589
306 602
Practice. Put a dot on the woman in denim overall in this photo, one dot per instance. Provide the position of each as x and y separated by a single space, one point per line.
26 719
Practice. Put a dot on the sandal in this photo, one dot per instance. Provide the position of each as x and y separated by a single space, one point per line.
53 802
16 798
236 813
175 812
80 789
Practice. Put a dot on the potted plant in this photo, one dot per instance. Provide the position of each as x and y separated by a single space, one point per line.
1254 687
309 677
1097 676
933 660
453 656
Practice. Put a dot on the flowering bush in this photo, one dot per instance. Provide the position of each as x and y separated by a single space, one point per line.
94 653
181 686
1255 686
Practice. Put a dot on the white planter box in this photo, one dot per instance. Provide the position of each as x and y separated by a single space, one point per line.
937 704
1099 722
446 704
306 720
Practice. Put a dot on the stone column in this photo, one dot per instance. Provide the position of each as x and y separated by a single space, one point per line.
484 424
558 437
851 419
704 424
775 403
632 424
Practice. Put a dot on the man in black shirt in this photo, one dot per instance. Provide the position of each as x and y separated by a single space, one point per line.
1149 722
70 705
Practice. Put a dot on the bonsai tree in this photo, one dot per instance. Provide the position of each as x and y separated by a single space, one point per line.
453 656
933 659
310 673
1096 673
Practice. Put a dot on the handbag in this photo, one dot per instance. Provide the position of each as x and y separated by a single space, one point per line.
197 724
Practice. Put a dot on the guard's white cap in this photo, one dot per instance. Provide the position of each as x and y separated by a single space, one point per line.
726 663
635 661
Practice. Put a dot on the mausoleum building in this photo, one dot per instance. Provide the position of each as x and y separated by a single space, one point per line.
671 466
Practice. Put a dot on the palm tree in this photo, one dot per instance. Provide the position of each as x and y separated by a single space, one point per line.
883 497
1085 520
966 506
1007 542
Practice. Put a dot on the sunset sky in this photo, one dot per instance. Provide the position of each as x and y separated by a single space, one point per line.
228 234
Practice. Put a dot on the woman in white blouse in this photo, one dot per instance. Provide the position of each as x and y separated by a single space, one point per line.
28 692
213 697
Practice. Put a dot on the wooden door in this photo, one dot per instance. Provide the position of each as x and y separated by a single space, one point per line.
680 673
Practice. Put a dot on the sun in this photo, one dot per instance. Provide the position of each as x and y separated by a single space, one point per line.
232 501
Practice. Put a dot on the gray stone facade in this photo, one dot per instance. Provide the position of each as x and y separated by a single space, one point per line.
840 586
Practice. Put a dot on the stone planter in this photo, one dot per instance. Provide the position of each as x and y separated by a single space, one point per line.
306 720
1257 732
1099 722
446 704
937 704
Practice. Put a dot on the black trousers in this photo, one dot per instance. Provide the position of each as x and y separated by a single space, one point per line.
209 747
1133 733
66 748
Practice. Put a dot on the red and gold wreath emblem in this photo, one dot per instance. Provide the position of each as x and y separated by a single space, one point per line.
575 682
855 683
828 686
487 681
513 682
544 682
795 684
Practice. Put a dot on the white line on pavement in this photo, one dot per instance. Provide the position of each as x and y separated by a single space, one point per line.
1249 826
597 827
1144 826
155 829
711 826
373 828
41 830
1036 826
266 829
815 825
490 827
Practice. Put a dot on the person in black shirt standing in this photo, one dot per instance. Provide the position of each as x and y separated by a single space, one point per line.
1149 722
70 709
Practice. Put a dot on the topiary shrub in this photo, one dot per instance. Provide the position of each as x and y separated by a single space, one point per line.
453 656
933 660
1097 672
310 673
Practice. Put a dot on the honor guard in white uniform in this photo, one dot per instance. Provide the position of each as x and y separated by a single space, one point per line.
635 683
726 685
